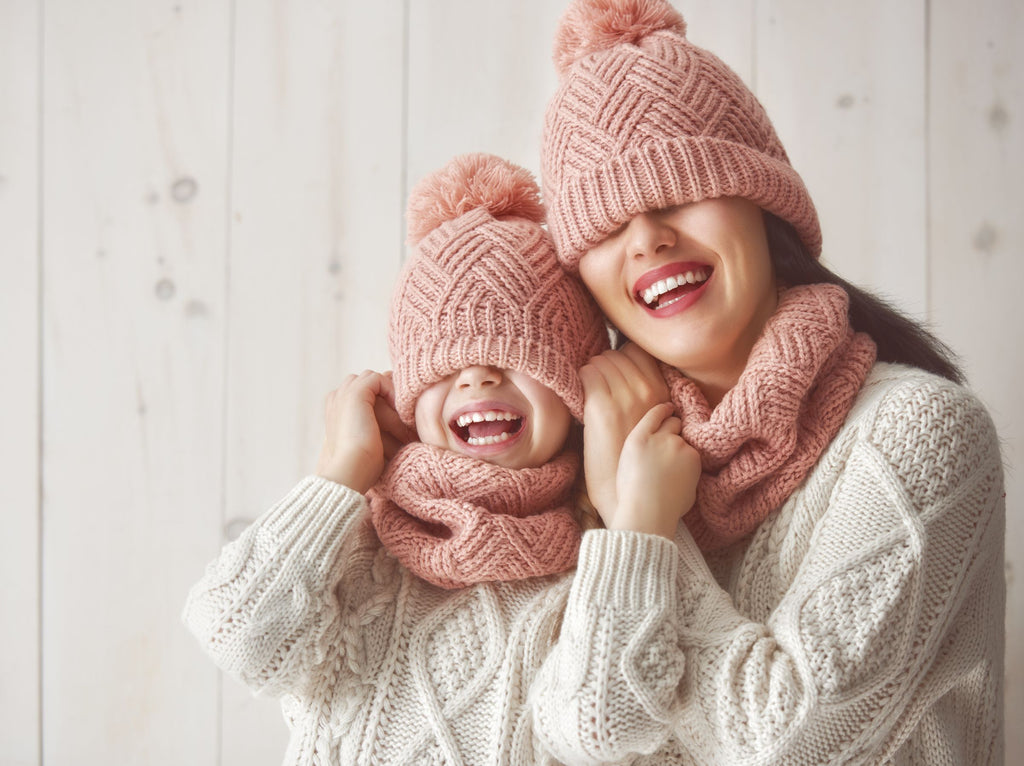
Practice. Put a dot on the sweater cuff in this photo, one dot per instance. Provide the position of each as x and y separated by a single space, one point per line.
623 569
313 517
691 561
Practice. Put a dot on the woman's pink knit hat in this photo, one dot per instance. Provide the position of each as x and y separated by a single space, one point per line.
643 120
483 286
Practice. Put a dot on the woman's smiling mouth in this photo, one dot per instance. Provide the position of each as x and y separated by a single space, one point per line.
668 285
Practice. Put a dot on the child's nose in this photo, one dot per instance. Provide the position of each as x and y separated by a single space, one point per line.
647 233
478 375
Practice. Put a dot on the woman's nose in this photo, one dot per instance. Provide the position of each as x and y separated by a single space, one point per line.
647 233
478 375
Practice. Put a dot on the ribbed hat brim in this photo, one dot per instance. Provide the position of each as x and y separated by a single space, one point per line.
553 367
662 173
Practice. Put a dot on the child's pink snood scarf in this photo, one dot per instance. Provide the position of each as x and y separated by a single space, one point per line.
482 286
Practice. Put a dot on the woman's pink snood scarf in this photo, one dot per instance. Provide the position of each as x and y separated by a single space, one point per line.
482 285
645 120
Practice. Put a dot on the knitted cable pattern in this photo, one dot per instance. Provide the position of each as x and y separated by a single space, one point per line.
644 120
762 439
455 521
380 666
861 623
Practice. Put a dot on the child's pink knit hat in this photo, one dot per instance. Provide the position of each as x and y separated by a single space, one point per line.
643 120
483 286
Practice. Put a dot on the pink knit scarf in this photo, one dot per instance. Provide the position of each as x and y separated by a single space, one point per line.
766 434
455 521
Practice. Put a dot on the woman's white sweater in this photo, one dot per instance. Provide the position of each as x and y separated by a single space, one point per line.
862 622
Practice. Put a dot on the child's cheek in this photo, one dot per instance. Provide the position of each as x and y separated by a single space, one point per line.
429 412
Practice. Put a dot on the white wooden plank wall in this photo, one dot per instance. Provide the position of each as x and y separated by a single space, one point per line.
19 384
200 223
134 152
976 244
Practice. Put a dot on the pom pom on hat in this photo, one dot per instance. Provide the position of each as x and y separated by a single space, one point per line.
589 26
467 182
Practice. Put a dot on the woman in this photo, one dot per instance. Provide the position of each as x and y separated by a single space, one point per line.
835 593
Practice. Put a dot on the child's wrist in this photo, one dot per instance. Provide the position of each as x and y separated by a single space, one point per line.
346 474
642 520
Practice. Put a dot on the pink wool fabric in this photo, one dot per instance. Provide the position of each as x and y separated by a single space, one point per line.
769 430
482 285
455 521
644 120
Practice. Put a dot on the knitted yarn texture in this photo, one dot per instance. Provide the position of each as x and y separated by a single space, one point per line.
765 435
373 664
455 521
482 285
644 120
862 623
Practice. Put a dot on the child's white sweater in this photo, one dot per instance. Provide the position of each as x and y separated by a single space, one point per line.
373 664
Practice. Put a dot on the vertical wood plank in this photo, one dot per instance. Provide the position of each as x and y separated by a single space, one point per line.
479 78
134 150
976 158
844 85
316 244
19 401
726 28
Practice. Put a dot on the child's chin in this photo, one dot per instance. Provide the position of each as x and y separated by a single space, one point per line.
504 456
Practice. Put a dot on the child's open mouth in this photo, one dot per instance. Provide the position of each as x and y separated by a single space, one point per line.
483 428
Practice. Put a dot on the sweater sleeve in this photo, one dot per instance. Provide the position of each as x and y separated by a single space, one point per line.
267 608
870 628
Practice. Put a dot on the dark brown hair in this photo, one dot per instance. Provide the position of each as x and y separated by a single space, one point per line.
898 337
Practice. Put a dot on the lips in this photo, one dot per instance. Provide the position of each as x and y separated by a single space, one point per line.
671 288
487 427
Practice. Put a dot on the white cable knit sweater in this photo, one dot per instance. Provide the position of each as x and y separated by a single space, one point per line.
373 664
862 623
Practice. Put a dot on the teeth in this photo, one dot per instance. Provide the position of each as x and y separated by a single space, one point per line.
479 441
663 286
479 417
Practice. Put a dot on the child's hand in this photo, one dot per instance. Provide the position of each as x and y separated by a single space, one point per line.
657 476
619 387
363 431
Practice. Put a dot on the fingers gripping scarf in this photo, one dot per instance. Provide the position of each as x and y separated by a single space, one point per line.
455 521
768 431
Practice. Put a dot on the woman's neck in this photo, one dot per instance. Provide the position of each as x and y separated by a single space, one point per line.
716 378
714 385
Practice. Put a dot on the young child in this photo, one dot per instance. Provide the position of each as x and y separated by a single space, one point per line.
401 608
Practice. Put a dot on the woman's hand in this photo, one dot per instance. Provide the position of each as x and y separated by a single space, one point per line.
620 388
363 431
656 481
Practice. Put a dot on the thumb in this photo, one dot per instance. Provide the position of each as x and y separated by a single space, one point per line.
654 419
